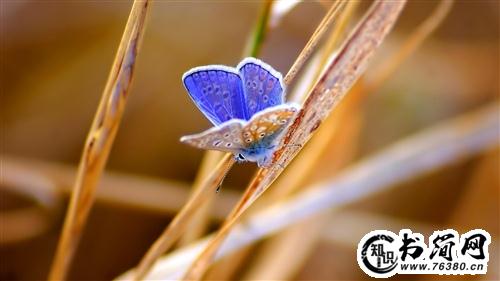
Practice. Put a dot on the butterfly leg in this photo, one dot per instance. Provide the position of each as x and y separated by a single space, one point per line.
266 161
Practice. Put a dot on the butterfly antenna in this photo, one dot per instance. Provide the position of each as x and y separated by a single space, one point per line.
222 179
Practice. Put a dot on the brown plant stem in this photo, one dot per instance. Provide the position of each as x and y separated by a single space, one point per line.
423 31
269 262
320 31
179 223
100 140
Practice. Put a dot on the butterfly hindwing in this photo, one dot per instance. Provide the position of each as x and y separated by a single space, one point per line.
263 86
226 137
217 91
268 123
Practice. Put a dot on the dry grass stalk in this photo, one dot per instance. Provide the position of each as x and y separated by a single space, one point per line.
359 92
320 31
333 85
341 138
173 231
200 219
100 139
448 142
317 63
414 41
336 35
301 167
269 264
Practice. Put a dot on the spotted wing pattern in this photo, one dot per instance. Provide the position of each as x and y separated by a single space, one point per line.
262 85
217 91
268 122
226 137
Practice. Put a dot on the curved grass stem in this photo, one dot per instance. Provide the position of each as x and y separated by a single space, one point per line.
423 31
175 229
100 140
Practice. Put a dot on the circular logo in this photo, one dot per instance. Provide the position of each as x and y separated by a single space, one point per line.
378 253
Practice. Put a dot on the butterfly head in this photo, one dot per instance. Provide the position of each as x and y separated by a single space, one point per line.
261 157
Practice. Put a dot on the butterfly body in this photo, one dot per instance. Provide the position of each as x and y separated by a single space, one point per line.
246 106
258 151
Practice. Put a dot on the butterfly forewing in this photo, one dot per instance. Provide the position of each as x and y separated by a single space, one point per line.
217 91
268 122
262 85
226 137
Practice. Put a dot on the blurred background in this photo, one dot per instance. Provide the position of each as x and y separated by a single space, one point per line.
55 59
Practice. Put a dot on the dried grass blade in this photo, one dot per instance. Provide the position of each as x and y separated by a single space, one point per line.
175 229
383 72
268 263
306 52
329 90
335 133
423 31
99 140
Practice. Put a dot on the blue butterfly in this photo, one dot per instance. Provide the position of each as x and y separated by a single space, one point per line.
246 105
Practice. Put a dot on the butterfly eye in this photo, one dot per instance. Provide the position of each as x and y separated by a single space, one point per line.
241 157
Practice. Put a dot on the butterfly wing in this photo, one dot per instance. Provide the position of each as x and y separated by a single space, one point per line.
267 124
263 86
226 137
217 91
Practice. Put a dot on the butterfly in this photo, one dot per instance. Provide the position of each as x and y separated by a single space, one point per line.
246 105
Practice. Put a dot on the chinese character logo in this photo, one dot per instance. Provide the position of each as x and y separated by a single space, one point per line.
474 244
413 245
382 254
377 255
443 245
